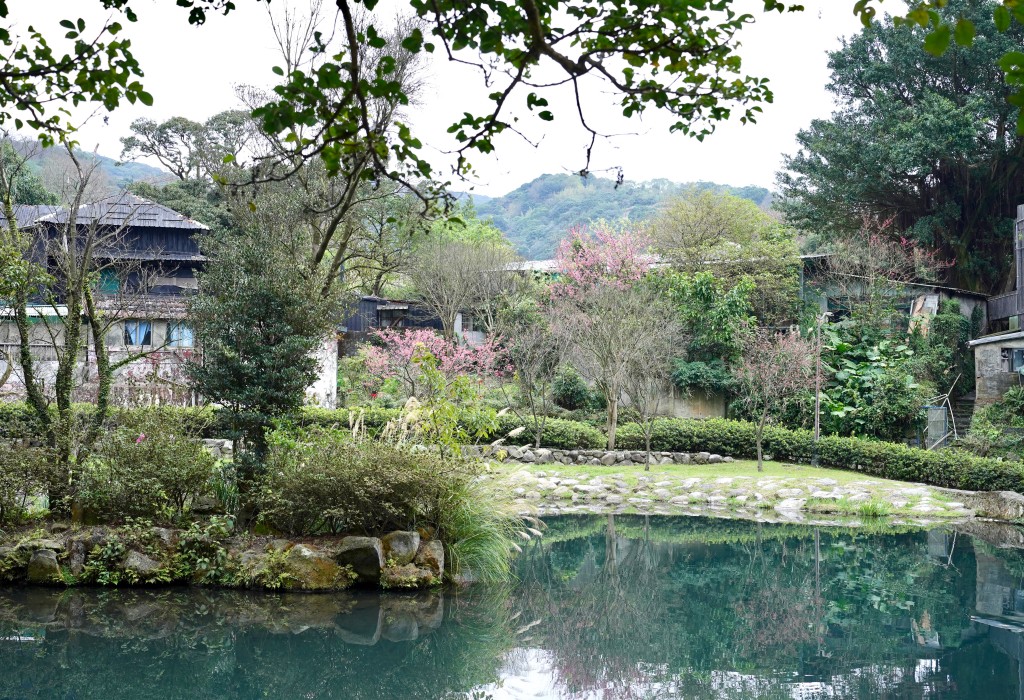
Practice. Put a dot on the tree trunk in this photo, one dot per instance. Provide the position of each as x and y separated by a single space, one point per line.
613 421
647 447
760 436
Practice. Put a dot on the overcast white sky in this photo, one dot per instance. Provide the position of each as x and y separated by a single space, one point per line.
191 71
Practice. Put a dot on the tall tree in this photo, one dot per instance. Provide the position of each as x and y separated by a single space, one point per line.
734 239
610 319
928 141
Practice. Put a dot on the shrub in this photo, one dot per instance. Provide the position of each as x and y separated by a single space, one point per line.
558 434
949 468
18 421
320 480
151 465
570 391
24 473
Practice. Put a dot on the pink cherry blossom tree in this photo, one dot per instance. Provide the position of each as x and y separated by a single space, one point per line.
613 323
394 356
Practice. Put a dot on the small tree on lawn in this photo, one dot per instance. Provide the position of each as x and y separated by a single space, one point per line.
535 354
775 368
648 373
604 312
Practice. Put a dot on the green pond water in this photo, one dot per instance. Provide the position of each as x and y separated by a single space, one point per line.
603 607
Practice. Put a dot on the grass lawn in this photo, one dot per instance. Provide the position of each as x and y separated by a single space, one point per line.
703 471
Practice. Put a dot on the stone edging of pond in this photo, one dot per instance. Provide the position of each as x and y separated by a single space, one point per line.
546 491
69 556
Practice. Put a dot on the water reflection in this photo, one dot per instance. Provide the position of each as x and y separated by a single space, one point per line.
605 607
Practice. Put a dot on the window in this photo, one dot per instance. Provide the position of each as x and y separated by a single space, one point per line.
1016 359
180 336
138 333
108 282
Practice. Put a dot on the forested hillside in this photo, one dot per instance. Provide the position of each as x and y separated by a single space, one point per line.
537 215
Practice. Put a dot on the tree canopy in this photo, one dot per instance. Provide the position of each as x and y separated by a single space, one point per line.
680 58
927 142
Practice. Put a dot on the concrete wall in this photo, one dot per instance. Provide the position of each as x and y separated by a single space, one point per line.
991 373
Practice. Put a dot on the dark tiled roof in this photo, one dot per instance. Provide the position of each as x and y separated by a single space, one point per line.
28 214
125 208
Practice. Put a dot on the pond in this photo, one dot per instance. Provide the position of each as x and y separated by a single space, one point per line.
604 607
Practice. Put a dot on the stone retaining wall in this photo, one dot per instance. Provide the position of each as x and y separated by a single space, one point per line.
543 455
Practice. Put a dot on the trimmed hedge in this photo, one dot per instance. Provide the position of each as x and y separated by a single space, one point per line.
949 468
558 434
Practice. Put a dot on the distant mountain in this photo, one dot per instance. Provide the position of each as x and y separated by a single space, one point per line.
52 165
537 215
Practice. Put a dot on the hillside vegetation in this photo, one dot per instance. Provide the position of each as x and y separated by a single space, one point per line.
537 215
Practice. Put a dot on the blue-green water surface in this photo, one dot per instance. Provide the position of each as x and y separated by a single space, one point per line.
603 607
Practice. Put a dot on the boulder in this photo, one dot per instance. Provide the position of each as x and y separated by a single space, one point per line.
78 548
431 556
700 457
408 576
140 565
715 459
310 569
543 456
365 555
608 459
43 567
400 546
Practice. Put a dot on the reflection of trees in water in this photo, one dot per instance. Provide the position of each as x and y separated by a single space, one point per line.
198 645
633 617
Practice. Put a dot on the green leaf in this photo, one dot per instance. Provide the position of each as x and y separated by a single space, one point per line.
1002 18
964 32
937 41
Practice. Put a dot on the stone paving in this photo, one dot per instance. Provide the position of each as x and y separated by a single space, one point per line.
798 498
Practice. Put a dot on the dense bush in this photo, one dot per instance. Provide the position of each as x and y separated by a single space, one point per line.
152 464
320 480
571 392
24 472
558 434
950 468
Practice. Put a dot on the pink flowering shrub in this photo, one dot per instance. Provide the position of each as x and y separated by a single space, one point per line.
394 357
607 258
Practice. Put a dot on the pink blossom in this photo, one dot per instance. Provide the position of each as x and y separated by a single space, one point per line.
607 257
140 438
394 358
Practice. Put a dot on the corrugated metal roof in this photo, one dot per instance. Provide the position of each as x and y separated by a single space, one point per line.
127 209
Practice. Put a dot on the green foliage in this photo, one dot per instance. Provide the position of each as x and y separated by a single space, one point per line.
479 530
944 357
24 475
712 377
451 413
203 555
322 481
104 564
570 391
558 434
151 465
536 215
870 388
737 241
713 315
998 430
260 318
927 140
948 468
